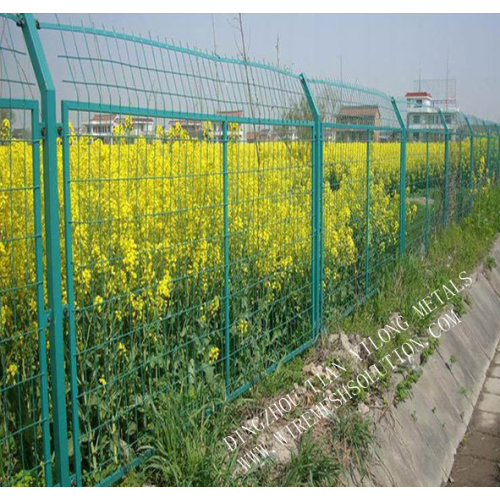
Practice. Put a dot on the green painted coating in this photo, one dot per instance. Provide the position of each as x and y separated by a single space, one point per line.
497 128
427 171
471 159
33 107
367 216
348 86
12 17
52 245
59 433
156 113
42 341
446 167
317 222
402 181
71 297
459 191
488 163
162 45
227 319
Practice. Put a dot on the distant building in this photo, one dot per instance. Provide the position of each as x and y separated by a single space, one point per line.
240 133
195 128
101 126
422 114
358 115
262 135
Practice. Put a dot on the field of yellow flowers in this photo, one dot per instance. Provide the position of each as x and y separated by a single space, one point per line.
148 258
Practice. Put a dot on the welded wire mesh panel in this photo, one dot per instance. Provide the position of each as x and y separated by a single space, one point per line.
345 224
188 230
113 68
425 167
384 205
189 189
460 179
147 247
24 413
480 174
17 79
269 250
361 165
493 156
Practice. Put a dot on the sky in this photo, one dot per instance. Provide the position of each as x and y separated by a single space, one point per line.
382 51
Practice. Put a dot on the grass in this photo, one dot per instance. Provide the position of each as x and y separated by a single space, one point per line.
403 389
188 446
312 465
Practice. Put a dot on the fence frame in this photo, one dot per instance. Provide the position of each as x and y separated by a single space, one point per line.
402 179
42 315
55 319
48 131
317 212
446 166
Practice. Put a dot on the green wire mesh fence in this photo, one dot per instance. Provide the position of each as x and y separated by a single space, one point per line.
215 216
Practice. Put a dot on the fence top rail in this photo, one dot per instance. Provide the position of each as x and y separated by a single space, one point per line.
491 127
116 68
17 79
342 103
119 69
164 45
478 126
12 17
421 119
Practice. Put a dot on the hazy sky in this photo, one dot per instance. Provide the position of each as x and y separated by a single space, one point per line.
381 51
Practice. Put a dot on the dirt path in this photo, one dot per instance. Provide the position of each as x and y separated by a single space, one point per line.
477 462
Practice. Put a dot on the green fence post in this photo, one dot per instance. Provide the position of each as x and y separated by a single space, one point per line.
317 209
488 141
52 246
459 190
497 128
367 215
427 171
446 166
471 161
402 180
37 208
226 260
72 345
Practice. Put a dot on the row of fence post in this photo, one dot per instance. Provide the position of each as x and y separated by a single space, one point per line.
49 130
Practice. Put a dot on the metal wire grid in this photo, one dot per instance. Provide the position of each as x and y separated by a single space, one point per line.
460 174
147 248
196 231
188 247
361 135
425 186
24 410
111 68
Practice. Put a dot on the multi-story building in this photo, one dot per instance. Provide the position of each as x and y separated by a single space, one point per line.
102 126
422 114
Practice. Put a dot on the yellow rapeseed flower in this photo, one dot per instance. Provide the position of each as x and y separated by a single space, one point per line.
98 300
12 371
213 356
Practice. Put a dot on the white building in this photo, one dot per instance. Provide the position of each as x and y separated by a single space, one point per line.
422 114
102 126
